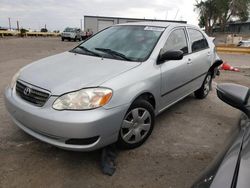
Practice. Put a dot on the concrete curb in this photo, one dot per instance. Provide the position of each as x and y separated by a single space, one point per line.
236 50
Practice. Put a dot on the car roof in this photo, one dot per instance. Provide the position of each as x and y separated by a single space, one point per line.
158 24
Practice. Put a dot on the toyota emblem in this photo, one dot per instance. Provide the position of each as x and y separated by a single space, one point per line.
27 91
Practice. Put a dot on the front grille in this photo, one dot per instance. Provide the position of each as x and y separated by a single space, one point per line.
31 94
66 35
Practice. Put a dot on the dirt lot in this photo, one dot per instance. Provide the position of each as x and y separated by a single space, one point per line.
185 139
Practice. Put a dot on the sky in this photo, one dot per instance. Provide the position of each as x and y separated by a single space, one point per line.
58 14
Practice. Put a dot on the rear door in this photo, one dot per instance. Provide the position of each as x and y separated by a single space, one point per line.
200 57
174 73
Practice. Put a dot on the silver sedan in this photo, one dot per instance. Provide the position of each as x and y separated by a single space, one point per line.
110 87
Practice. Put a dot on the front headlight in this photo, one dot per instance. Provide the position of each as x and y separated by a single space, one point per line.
14 79
84 99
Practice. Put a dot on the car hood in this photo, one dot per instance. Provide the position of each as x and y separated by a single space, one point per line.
67 72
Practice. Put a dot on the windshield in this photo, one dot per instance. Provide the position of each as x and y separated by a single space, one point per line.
134 43
69 29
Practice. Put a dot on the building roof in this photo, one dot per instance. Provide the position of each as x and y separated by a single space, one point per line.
240 22
139 19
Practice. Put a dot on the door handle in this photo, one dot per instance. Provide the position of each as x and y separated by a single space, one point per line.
189 61
208 54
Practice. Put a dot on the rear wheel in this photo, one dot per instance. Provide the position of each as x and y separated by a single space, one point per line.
62 39
137 125
205 88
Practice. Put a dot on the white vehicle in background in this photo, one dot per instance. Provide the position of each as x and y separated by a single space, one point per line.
244 43
72 34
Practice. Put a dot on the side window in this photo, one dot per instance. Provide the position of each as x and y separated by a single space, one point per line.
198 41
177 41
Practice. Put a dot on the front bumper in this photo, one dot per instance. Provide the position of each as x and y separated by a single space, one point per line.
68 37
56 127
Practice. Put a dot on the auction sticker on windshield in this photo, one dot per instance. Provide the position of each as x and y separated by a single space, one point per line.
148 28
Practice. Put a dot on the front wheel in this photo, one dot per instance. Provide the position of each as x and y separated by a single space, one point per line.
137 125
203 91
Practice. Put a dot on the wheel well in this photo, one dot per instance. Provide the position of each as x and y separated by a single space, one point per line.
148 97
215 64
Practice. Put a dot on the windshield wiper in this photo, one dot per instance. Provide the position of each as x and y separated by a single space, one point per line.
113 53
89 51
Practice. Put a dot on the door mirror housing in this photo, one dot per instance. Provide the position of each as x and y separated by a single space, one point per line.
169 55
237 96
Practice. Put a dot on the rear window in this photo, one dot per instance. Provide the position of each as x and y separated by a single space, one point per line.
198 41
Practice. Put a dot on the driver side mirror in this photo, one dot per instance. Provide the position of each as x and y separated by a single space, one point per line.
169 55
235 95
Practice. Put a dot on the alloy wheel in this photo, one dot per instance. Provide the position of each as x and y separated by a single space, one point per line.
207 84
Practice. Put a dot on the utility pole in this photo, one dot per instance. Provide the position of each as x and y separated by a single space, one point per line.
17 25
81 24
9 24
176 14
166 15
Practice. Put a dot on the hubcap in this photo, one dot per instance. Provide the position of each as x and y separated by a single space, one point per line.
207 84
136 125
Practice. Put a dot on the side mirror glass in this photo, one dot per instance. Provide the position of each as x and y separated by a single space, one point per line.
169 55
235 95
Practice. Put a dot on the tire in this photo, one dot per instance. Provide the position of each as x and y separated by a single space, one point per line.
75 39
137 125
62 39
204 90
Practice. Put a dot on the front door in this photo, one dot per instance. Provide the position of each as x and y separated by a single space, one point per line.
174 73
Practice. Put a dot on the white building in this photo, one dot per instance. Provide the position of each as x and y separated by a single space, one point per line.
97 23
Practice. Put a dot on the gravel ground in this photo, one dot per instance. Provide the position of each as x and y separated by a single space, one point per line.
186 137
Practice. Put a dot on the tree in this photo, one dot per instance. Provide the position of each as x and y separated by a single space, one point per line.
44 30
212 12
23 32
202 21
232 8
208 14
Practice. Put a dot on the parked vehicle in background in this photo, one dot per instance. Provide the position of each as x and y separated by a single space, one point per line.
231 168
244 43
87 34
110 87
72 34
